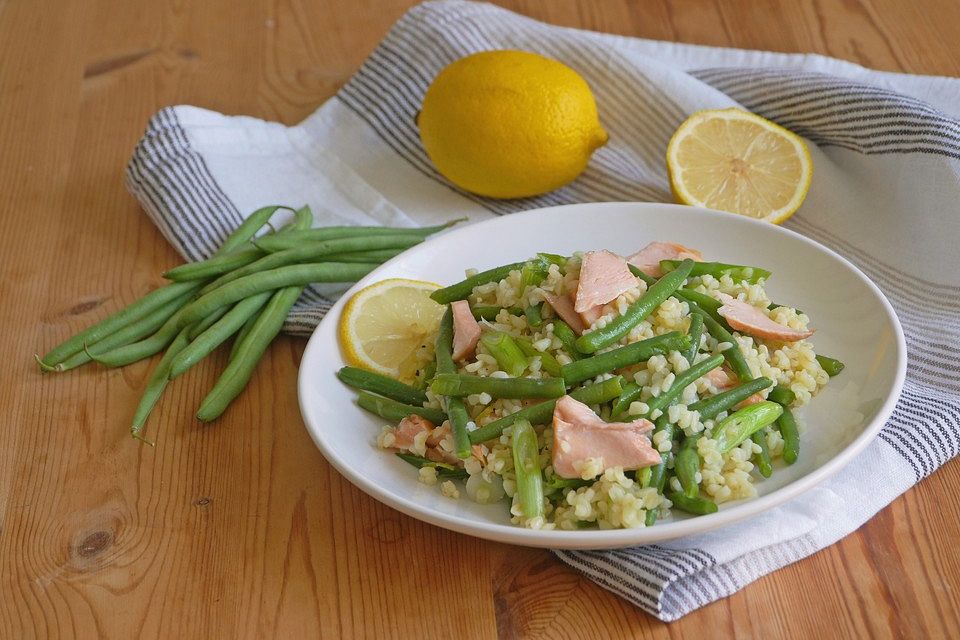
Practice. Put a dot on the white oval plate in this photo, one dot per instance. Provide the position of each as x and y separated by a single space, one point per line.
855 324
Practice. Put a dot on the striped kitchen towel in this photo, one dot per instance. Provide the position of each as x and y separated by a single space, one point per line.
887 154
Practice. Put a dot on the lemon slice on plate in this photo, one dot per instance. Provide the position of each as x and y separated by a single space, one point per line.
389 326
733 160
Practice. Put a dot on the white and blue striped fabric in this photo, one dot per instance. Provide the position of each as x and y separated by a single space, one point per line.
886 148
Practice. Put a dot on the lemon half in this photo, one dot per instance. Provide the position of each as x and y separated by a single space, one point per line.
389 327
734 160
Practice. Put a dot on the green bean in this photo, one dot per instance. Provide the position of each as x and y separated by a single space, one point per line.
249 227
533 273
762 459
425 376
831 365
738 273
371 255
681 382
710 306
526 466
238 371
244 330
219 333
506 352
452 384
643 476
156 384
733 353
580 370
534 315
134 351
207 322
556 483
787 425
553 258
547 362
214 266
279 242
737 427
696 506
782 395
568 339
456 409
136 330
444 470
364 380
396 411
542 413
490 312
658 473
710 407
636 312
631 391
464 288
280 278
695 332
686 466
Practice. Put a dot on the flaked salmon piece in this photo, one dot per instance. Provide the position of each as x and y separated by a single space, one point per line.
754 399
438 434
466 330
648 259
439 454
408 429
746 318
579 434
564 309
722 378
603 276
477 452
589 316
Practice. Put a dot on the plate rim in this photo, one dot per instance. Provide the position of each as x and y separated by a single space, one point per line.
611 538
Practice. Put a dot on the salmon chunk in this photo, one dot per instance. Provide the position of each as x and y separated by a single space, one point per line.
408 429
648 259
603 277
466 331
589 316
564 309
580 434
748 319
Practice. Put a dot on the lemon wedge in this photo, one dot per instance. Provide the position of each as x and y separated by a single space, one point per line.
734 160
389 327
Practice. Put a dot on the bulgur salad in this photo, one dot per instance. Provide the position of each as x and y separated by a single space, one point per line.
596 390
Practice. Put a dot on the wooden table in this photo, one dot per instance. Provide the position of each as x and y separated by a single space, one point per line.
241 529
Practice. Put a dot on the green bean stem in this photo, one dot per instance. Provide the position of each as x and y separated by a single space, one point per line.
738 426
710 407
636 312
787 424
526 464
452 384
156 384
279 242
364 380
456 409
580 370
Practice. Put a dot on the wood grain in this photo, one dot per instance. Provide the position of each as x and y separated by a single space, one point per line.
240 529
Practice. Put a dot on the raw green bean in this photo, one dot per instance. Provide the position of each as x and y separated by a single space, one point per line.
568 339
547 362
737 427
364 380
506 352
686 466
787 425
280 278
733 354
696 506
279 242
373 255
238 371
456 409
244 330
636 312
208 322
782 395
710 407
452 384
444 470
580 370
542 413
219 333
136 330
215 266
681 382
831 365
134 351
249 227
526 466
464 288
762 459
695 332
738 273
396 411
490 312
156 384
534 315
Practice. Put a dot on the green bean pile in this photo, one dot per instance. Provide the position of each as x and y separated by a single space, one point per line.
245 291
592 376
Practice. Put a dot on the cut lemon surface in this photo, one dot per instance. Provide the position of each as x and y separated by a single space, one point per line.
733 160
389 327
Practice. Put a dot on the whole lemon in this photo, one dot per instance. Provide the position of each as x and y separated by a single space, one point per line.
509 124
